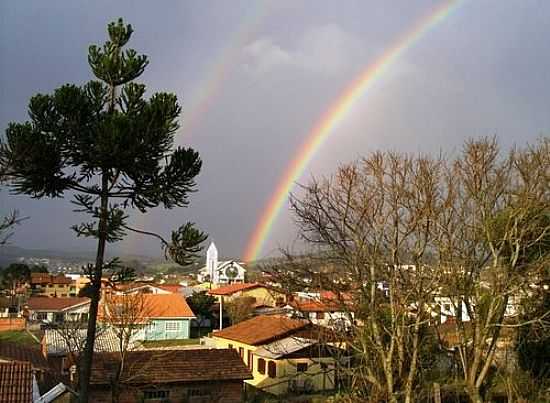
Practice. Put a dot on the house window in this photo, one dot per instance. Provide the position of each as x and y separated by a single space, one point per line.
241 352
172 326
196 392
272 369
41 316
156 394
250 360
230 346
320 315
447 307
261 366
301 367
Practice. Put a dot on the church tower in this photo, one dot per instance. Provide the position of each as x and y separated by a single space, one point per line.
212 263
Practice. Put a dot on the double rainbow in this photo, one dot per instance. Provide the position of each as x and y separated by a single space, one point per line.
333 116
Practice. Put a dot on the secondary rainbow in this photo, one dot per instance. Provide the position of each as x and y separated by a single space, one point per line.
334 115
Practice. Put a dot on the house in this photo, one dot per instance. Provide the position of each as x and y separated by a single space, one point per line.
45 375
49 285
17 383
57 310
60 346
285 355
198 376
262 294
226 272
154 316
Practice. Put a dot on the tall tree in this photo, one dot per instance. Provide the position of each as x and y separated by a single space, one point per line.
201 304
112 149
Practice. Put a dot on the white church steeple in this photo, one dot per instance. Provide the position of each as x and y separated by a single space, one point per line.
212 263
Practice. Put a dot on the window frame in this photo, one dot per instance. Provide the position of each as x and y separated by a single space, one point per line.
302 367
272 369
260 366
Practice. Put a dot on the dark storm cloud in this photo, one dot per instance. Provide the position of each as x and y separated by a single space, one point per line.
484 70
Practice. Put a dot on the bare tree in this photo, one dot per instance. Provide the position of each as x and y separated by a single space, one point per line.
126 315
240 308
392 232
492 244
373 224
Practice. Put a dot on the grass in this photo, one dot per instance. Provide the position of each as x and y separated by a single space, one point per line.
17 336
169 343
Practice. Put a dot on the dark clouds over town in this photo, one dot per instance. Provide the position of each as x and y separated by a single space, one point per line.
255 77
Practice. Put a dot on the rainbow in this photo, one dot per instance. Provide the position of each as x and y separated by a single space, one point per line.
216 75
207 91
333 116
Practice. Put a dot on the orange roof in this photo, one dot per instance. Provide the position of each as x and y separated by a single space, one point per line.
46 278
234 288
54 303
173 288
308 305
159 305
262 329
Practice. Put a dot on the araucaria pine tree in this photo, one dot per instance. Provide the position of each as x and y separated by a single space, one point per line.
111 149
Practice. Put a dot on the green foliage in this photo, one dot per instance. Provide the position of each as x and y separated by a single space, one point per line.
13 274
201 303
106 130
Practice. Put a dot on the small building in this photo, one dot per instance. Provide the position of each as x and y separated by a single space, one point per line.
154 316
57 310
198 376
285 355
49 285
262 294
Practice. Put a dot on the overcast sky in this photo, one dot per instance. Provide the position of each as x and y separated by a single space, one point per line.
255 77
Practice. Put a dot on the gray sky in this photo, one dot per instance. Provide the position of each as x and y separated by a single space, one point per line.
268 71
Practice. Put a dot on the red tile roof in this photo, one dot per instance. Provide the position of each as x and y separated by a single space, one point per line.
170 366
262 329
17 352
55 303
309 305
234 288
46 278
16 382
155 305
173 288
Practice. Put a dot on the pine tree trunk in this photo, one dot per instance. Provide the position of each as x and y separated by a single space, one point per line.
87 355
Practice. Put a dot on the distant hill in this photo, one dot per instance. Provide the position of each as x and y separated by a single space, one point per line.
10 254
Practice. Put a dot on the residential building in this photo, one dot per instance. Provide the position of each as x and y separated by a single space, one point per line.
262 294
154 316
284 355
198 376
57 310
48 285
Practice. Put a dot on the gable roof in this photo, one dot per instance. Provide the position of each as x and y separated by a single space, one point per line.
46 278
17 352
282 347
57 343
55 303
170 366
155 306
173 288
16 382
262 329
234 288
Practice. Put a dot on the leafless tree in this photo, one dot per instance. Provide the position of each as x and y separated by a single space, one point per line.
126 315
240 308
392 232
493 241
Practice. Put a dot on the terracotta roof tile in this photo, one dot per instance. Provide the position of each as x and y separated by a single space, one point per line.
46 278
153 367
54 303
17 352
233 288
15 382
173 288
262 329
156 305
